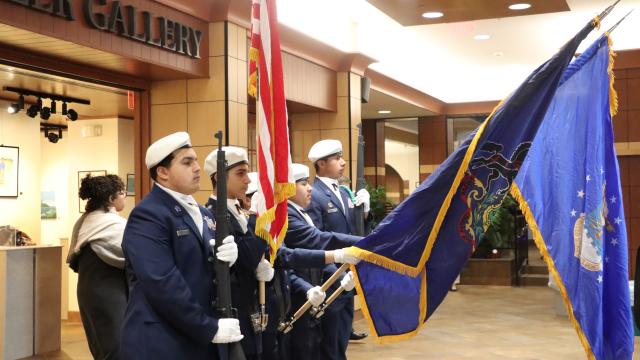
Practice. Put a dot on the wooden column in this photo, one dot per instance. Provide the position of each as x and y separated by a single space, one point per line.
432 140
374 156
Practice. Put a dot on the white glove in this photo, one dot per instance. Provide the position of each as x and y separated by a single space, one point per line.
228 331
264 271
343 257
228 251
363 197
347 282
316 296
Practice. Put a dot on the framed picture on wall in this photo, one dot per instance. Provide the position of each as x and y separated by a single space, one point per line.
9 165
81 175
131 184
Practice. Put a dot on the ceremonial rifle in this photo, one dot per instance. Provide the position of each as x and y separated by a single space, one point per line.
223 225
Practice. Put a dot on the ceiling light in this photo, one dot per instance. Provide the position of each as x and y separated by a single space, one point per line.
15 107
45 113
12 109
482 37
519 6
72 115
33 110
432 15
384 111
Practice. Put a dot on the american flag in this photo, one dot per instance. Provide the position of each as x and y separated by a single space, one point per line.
266 84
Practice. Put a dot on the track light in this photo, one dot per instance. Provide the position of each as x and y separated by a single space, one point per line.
52 136
33 110
45 113
72 115
15 107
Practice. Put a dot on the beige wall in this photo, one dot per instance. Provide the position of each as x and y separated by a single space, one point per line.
22 212
308 128
198 105
55 176
403 158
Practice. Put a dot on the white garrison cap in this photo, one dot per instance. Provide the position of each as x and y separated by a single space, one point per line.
253 185
234 155
165 146
324 148
300 172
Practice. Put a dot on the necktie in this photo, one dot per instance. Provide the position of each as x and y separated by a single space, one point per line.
335 187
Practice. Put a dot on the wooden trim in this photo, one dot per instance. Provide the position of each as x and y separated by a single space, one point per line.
427 169
627 148
74 316
142 140
471 108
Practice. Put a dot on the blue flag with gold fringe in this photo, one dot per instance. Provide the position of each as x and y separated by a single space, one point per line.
417 251
569 190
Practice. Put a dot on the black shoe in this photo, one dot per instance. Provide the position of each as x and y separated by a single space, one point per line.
357 336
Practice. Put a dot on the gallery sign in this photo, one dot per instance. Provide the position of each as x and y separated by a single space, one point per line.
127 21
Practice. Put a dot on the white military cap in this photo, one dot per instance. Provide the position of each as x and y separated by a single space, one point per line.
324 148
234 156
253 185
300 172
165 146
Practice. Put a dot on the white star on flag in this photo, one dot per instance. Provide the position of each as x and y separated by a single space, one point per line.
614 241
618 220
599 278
601 171
588 178
613 199
573 212
606 259
581 193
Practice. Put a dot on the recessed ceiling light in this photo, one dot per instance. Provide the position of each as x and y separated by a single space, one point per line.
384 111
432 15
482 37
519 6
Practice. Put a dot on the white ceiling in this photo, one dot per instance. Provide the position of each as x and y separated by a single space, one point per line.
399 109
444 60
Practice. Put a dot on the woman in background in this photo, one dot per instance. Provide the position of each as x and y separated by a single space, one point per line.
96 255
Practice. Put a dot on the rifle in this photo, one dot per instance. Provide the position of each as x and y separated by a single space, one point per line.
223 279
361 183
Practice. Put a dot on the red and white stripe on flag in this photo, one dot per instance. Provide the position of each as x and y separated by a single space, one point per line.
275 181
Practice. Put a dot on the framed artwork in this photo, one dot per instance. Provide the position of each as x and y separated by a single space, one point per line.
9 165
131 184
81 175
48 208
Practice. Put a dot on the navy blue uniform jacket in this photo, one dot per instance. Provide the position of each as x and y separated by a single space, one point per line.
170 273
326 211
302 235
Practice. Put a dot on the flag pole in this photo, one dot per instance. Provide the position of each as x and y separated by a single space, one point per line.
286 326
264 317
618 23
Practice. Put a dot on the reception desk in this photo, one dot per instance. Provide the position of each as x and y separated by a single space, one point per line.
30 283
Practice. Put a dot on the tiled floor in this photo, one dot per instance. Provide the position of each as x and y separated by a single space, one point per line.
476 322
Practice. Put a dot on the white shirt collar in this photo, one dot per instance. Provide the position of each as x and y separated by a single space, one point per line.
180 197
328 181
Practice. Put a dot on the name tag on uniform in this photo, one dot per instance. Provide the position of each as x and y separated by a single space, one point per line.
182 232
332 210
